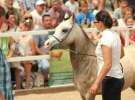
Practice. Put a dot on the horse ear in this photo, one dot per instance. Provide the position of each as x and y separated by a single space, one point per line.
67 16
72 18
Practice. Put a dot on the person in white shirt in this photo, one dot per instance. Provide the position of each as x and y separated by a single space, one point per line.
37 13
109 51
72 5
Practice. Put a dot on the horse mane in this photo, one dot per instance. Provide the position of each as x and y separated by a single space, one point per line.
68 16
85 34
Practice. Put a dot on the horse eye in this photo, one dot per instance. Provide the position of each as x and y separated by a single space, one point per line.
65 30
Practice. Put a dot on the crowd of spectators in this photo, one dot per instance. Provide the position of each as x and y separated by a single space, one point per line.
36 15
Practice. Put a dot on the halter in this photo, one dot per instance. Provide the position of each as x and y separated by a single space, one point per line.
69 31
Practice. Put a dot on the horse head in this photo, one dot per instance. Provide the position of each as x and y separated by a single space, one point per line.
62 32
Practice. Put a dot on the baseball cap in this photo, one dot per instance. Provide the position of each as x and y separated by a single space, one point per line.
40 2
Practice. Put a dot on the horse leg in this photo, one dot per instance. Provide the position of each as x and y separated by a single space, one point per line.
83 98
88 96
133 87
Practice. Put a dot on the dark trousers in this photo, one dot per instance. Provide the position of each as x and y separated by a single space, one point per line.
111 88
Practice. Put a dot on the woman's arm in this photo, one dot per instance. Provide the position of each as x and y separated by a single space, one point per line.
35 48
122 52
107 56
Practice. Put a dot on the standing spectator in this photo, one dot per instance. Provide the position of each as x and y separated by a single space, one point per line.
72 5
85 17
5 76
109 51
43 64
57 12
37 13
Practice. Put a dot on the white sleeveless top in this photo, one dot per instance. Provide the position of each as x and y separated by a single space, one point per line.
25 45
112 40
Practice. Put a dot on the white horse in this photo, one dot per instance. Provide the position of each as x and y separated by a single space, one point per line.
82 54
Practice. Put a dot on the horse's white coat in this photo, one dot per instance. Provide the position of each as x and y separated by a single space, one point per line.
84 66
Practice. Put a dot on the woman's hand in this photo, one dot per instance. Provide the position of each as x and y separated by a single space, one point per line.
94 88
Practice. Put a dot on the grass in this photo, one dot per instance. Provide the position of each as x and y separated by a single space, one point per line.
61 70
63 65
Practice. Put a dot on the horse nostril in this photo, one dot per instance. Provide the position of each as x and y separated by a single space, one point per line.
46 44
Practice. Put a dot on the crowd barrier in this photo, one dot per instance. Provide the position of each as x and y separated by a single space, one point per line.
41 32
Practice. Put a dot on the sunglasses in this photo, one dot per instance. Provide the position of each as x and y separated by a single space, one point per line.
27 18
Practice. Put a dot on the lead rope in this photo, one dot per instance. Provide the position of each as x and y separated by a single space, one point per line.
77 53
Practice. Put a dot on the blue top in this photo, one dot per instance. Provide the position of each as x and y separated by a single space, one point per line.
40 39
82 18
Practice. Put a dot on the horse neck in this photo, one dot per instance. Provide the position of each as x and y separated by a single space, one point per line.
83 64
82 43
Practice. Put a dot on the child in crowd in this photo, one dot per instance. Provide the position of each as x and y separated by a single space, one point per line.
85 17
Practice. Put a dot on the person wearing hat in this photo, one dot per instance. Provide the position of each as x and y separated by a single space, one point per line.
37 13
5 76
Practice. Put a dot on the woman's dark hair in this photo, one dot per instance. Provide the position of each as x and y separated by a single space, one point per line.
45 15
105 17
9 13
2 11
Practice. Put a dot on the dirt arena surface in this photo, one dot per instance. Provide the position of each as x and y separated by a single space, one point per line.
73 95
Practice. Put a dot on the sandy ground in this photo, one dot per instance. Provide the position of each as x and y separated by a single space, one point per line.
73 95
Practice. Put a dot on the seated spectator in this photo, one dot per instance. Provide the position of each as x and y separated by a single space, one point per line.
27 5
11 9
132 37
72 5
130 24
94 4
12 21
122 22
12 27
43 64
37 13
85 17
57 12
108 4
115 22
118 12
27 46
